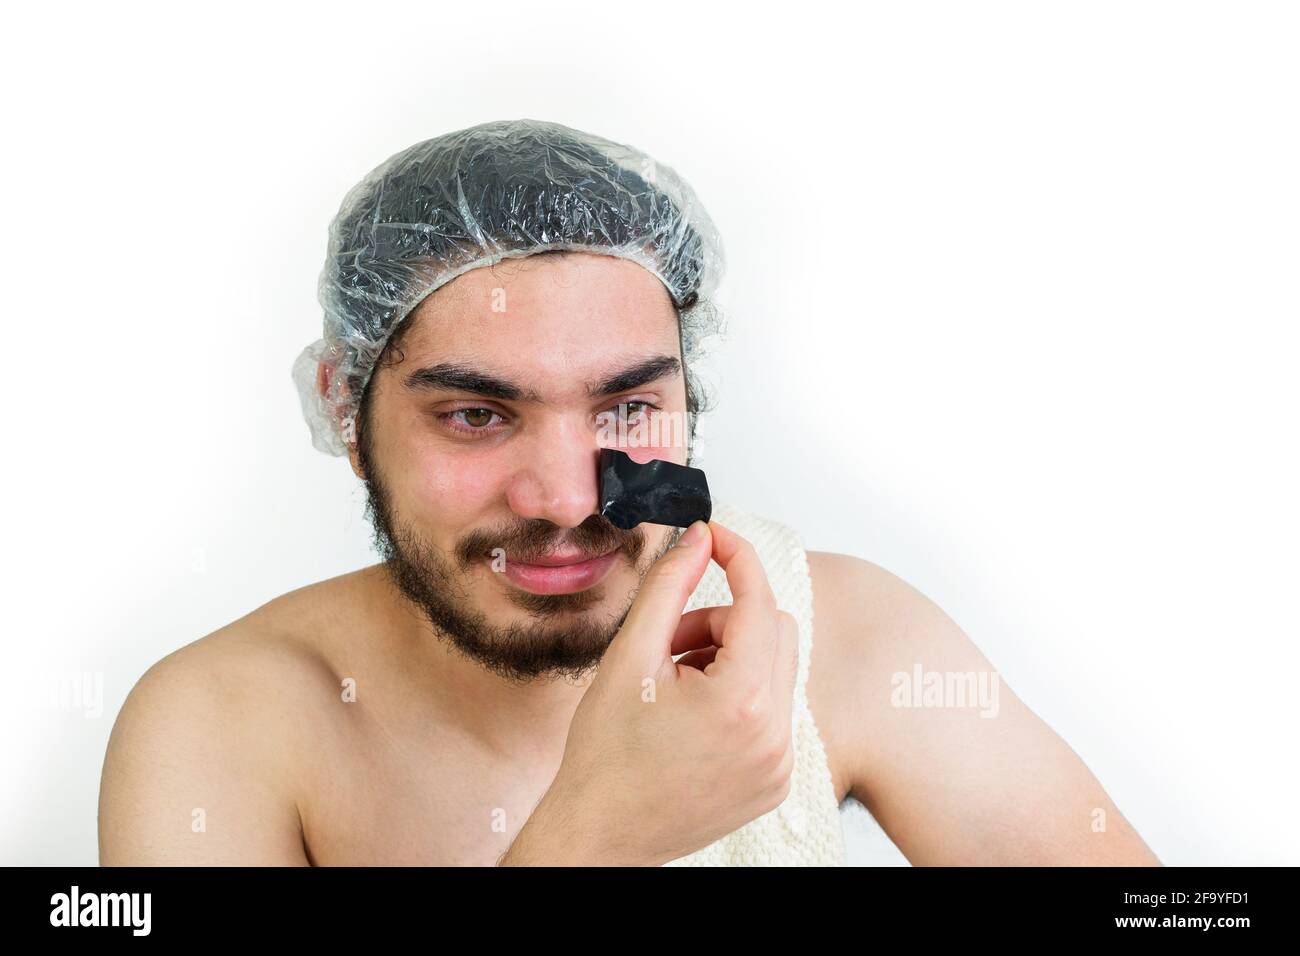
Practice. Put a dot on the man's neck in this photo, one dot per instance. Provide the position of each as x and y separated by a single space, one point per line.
506 717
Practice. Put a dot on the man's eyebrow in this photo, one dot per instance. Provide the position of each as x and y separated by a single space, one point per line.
642 373
463 378
454 377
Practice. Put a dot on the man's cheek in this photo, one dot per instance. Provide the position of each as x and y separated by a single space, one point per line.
643 454
457 486
661 437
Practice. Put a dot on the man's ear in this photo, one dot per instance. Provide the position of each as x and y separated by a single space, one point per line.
354 458
346 425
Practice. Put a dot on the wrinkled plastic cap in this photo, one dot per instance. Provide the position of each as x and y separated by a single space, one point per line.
471 198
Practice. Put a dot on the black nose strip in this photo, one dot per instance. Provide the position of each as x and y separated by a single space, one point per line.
660 492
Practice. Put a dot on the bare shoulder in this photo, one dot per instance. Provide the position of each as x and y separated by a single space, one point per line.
920 727
200 766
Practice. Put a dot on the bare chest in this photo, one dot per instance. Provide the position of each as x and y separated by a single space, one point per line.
371 799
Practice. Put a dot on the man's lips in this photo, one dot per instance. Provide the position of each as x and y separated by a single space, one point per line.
562 573
559 559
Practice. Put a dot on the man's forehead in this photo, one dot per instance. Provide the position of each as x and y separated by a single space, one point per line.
564 340
545 293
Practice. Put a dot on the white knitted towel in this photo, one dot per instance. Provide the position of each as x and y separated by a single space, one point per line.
805 829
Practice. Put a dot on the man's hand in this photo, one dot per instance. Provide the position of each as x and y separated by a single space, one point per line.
664 757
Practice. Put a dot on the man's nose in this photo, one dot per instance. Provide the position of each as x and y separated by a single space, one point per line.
556 478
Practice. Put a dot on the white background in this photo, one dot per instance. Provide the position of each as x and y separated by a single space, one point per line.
1012 292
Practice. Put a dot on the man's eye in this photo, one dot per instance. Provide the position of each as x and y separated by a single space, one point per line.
474 419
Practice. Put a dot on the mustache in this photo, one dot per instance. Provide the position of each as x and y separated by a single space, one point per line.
533 539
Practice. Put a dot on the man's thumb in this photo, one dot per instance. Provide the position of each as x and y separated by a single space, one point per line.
647 631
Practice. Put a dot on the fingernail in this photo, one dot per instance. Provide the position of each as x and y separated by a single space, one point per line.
693 536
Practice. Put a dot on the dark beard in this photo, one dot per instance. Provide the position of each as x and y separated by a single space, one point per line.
570 648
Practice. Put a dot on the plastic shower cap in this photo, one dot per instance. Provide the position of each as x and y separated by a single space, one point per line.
470 198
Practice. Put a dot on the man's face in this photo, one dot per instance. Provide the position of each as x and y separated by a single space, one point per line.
481 447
